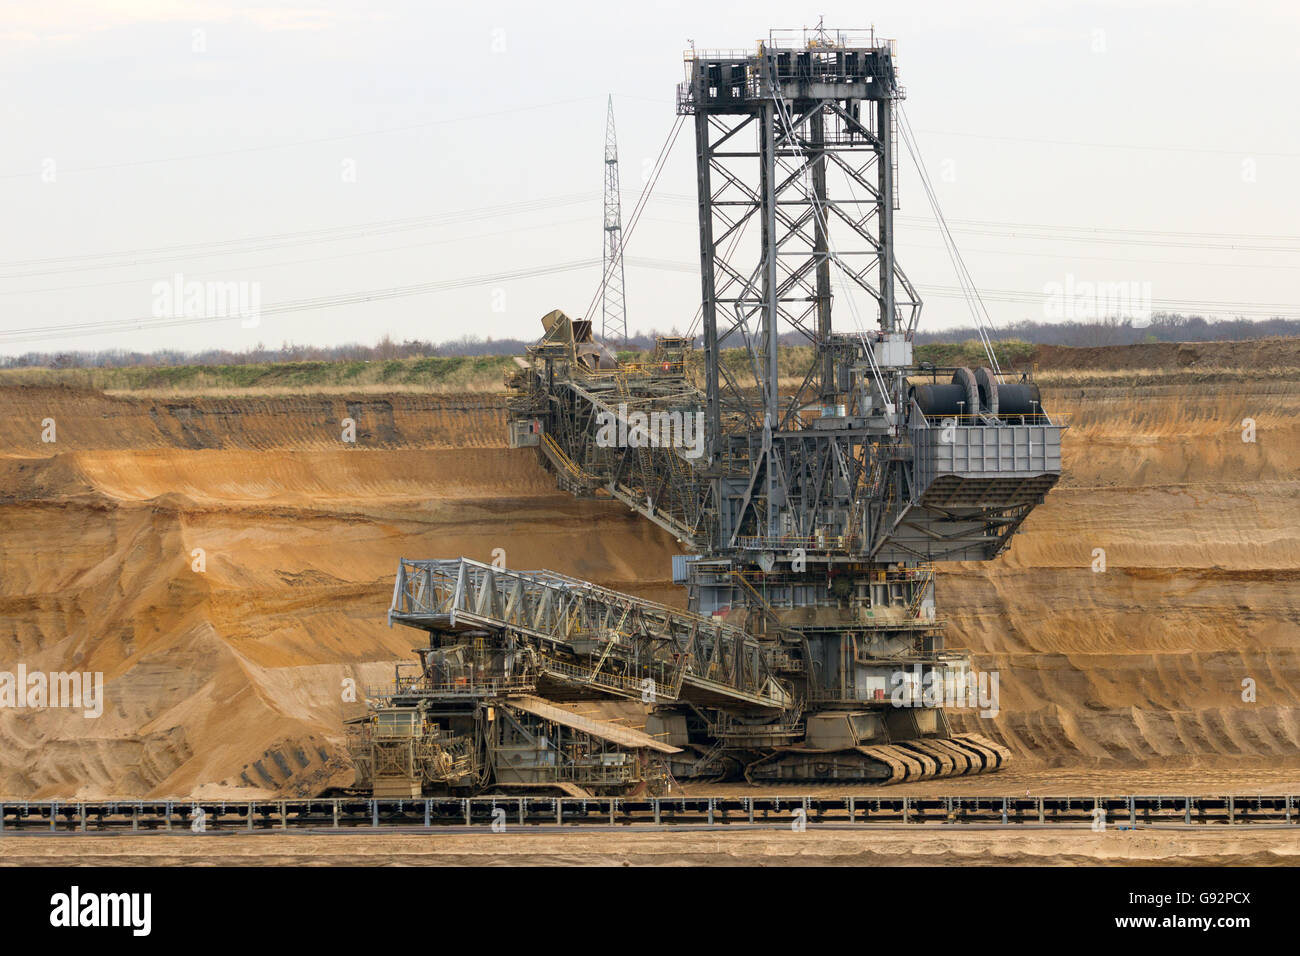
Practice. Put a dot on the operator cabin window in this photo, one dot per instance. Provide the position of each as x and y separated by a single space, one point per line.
397 723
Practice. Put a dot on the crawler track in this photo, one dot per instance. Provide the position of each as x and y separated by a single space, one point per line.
928 758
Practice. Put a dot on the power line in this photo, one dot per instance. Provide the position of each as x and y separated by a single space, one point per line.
513 230
1127 259
1132 232
979 312
1039 231
1142 147
1268 309
276 241
304 142
1112 241
40 332
681 199
1264 309
1064 255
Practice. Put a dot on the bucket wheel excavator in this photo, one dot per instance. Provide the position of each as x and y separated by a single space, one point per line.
814 473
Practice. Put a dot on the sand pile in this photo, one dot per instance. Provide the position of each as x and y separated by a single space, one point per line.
230 680
1142 665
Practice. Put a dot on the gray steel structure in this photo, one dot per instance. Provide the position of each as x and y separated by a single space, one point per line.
559 627
804 112
816 510
876 476
816 506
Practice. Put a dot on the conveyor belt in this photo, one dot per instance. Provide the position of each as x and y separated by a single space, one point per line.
762 807
622 736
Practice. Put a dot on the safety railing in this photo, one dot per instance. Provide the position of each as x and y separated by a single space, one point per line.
734 729
460 687
561 459
1036 418
665 681
919 591
790 542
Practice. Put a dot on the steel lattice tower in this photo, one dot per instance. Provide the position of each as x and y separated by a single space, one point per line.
613 307
771 127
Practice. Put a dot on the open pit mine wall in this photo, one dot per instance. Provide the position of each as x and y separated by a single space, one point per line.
227 563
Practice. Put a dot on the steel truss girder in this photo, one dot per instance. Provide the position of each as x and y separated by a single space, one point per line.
786 282
653 479
712 660
818 477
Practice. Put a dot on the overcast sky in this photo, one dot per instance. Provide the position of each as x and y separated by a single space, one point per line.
321 150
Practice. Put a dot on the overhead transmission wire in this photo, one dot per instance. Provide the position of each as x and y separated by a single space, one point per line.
309 142
1261 309
298 305
1092 144
979 312
1091 234
1133 232
1051 255
508 209
278 240
1127 259
130 325
513 230
660 161
1045 233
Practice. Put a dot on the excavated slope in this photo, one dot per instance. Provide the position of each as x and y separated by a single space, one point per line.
231 680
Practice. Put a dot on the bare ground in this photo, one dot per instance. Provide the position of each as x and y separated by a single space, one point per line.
911 845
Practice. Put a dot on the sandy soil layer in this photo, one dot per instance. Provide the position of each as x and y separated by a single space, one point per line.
230 680
1199 356
892 846
1041 781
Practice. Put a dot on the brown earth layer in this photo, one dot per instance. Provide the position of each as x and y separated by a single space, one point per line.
893 846
230 680
1245 354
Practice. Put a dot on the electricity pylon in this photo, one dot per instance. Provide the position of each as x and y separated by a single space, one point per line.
613 307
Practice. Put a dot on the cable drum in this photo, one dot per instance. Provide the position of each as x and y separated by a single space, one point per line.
1019 399
1006 401
966 379
939 399
988 389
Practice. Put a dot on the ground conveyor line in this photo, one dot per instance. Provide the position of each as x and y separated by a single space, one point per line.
180 816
